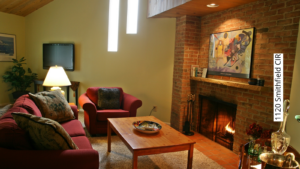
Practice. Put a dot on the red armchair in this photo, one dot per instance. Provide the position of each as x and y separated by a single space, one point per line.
96 120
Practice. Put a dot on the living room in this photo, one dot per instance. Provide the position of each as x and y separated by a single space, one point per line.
149 65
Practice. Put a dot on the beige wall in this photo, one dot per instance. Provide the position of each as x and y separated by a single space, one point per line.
143 65
293 126
11 24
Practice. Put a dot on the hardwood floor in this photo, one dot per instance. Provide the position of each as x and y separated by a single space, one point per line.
216 152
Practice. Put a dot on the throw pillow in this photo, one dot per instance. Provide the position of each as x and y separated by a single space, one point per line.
4 109
109 98
53 105
45 133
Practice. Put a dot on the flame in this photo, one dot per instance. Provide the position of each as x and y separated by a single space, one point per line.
229 129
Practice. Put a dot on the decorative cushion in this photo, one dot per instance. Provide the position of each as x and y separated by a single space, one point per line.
4 109
25 102
92 93
45 133
108 98
53 105
12 136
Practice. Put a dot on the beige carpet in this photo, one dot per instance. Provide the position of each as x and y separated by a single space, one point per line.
121 158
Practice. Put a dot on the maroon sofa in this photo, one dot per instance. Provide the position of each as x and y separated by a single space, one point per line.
96 120
16 150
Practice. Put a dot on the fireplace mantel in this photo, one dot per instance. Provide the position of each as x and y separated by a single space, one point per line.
232 84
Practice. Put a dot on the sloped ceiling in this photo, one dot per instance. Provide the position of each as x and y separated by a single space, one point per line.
22 7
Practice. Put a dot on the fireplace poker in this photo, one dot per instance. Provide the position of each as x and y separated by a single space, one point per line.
190 105
187 125
187 111
192 108
184 112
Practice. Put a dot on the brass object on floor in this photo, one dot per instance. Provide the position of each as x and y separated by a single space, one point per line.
279 161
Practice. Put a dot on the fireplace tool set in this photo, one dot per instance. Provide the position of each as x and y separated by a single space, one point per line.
188 115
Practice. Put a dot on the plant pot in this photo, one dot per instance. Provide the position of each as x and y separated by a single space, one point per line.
17 94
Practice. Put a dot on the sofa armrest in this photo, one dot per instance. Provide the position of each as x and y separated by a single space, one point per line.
87 104
49 159
131 104
75 111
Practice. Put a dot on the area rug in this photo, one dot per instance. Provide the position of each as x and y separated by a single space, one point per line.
120 156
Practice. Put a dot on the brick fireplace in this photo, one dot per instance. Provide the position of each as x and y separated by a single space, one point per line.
216 120
276 24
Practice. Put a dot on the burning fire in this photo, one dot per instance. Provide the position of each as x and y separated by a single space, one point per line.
229 129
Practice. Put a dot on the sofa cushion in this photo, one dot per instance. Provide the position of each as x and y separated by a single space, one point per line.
82 142
13 109
108 98
73 128
25 102
46 134
12 136
4 109
102 115
53 105
92 93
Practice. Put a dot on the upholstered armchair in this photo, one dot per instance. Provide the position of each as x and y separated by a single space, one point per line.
95 119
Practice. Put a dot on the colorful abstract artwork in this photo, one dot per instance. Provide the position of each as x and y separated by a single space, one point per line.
230 53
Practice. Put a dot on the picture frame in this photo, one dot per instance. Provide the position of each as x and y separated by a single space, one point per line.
7 47
204 72
230 53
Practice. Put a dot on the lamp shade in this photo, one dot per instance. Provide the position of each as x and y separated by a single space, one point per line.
56 76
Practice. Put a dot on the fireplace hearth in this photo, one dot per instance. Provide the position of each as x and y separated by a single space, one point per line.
217 120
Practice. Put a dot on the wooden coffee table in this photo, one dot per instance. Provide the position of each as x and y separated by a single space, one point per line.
166 140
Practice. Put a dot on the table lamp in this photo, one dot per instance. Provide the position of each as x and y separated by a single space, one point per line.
56 77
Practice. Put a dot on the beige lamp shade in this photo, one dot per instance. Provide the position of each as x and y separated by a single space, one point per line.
56 77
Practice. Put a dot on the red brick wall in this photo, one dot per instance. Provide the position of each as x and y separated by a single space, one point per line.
276 23
187 46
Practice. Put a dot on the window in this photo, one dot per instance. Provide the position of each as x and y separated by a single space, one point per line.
113 25
132 16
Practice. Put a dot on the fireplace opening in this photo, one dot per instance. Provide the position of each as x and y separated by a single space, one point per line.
217 120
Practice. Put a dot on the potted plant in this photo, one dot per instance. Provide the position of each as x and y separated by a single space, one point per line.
254 132
18 78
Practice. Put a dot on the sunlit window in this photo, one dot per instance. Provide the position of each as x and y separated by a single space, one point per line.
113 25
132 16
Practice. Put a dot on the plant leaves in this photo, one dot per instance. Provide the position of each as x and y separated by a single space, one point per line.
22 59
17 76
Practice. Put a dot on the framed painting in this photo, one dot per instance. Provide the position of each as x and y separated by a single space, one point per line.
230 53
7 47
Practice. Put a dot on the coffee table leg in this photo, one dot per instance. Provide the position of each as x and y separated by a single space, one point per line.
108 137
190 156
134 160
